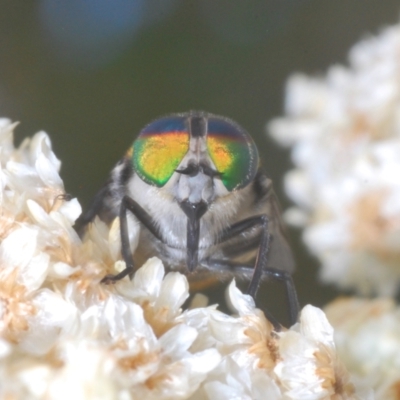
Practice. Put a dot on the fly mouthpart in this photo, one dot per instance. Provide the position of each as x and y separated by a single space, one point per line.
193 211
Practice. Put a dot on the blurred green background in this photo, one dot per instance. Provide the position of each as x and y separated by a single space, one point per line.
92 73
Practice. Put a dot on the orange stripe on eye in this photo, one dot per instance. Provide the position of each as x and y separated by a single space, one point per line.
156 156
235 159
220 154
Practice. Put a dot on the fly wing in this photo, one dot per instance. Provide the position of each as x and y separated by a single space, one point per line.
280 255
107 201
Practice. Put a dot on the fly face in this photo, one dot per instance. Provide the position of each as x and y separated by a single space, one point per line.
195 184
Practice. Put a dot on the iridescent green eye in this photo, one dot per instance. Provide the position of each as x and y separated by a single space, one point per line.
159 149
233 152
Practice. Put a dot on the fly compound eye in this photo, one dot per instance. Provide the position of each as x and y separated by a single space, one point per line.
159 149
232 151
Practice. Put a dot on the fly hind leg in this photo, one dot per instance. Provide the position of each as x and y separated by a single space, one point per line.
260 269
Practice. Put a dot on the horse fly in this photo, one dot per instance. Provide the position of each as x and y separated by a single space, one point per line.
194 183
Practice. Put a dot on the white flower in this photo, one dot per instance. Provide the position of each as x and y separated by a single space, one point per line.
248 346
299 363
344 130
161 298
367 335
309 366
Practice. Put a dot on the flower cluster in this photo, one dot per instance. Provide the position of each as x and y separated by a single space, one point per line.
66 336
344 130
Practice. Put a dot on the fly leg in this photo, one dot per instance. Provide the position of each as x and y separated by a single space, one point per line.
128 204
260 268
245 269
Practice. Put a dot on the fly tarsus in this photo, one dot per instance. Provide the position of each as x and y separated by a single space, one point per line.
110 279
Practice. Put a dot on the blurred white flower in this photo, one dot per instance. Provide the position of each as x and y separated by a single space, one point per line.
66 336
257 362
344 130
367 335
309 366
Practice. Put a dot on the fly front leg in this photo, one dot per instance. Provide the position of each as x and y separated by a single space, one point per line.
260 268
128 204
